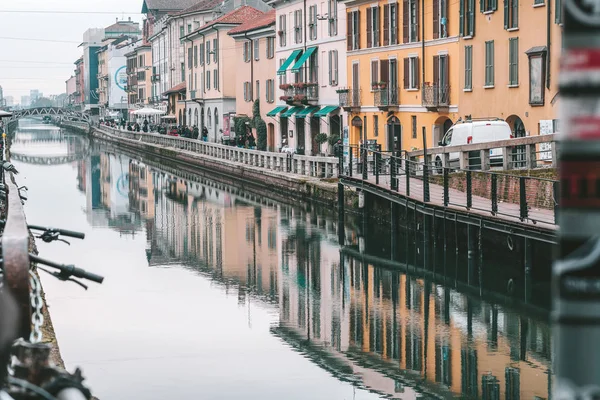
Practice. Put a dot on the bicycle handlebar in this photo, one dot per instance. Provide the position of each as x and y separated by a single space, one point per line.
70 270
63 232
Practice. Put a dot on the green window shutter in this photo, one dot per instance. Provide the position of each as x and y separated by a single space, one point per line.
472 18
494 5
492 62
558 11
505 14
482 6
461 18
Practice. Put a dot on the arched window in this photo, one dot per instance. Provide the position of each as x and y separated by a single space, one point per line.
216 119
208 118
196 117
190 117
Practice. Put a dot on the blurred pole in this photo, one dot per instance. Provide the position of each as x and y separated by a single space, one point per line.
576 273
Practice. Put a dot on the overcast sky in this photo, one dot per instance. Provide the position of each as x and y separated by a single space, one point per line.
53 61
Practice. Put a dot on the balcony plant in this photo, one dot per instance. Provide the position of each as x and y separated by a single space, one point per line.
300 98
286 98
374 85
382 85
342 90
311 84
285 86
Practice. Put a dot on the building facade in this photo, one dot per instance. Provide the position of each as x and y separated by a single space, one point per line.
92 41
255 58
509 64
211 72
402 72
139 76
78 96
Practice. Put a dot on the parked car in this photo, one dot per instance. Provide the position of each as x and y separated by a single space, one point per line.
473 131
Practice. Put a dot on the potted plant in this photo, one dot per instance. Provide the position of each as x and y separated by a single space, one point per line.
285 86
320 139
374 85
382 85
342 90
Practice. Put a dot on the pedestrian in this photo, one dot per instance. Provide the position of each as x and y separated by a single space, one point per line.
205 134
338 148
196 132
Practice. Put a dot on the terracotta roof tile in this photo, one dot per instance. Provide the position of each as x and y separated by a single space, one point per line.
267 19
203 5
238 16
176 88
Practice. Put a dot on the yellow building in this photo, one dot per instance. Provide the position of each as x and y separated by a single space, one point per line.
399 85
509 63
139 75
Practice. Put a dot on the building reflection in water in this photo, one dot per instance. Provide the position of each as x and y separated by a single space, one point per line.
395 334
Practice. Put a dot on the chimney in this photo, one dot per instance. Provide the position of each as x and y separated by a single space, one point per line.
117 19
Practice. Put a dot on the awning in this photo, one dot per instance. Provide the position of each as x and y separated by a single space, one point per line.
276 111
302 60
288 62
323 112
306 111
292 111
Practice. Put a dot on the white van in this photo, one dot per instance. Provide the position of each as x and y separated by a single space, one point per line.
474 131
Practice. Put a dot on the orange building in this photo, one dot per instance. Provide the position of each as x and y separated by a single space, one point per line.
509 62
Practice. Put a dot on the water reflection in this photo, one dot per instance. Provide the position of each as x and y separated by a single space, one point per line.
396 334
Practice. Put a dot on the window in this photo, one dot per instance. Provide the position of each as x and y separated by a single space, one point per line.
466 18
247 51
489 63
182 72
333 17
215 50
373 27
488 5
411 73
375 125
374 72
271 90
257 90
440 19
181 31
537 75
558 11
201 51
208 118
141 95
282 78
195 56
208 52
410 21
353 38
312 22
256 49
468 67
511 14
333 67
141 63
298 26
247 91
270 47
414 126
390 24
207 80
215 78
538 2
189 28
282 30
513 61
190 57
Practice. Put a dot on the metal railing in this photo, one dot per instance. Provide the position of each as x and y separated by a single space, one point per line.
349 98
386 97
298 92
517 197
435 95
311 166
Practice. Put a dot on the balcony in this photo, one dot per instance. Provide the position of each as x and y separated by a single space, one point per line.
196 94
434 97
349 99
300 93
387 97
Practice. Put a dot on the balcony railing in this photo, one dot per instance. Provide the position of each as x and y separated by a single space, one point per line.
195 94
387 97
349 98
303 93
435 96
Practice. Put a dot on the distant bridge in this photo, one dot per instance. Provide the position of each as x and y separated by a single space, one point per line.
46 160
64 113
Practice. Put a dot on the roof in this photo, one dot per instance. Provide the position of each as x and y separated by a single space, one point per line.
267 19
202 5
235 17
166 5
176 88
123 27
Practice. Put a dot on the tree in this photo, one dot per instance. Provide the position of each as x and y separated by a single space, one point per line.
261 133
239 126
255 113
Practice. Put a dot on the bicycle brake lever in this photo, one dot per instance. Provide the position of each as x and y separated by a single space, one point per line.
63 277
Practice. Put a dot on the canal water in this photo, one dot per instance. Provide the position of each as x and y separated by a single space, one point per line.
212 292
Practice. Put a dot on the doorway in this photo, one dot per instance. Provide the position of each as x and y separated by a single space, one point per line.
283 126
271 136
300 136
314 131
394 135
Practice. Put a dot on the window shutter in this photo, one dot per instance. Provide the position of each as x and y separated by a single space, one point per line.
378 27
386 25
515 14
417 73
558 11
349 31
494 5
417 10
358 29
369 26
461 18
330 65
216 50
506 14
472 18
384 66
335 61
406 73
436 19
447 70
436 70
405 15
374 71
482 5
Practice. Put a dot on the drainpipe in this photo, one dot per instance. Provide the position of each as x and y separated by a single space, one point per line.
251 64
204 63
548 25
422 46
218 67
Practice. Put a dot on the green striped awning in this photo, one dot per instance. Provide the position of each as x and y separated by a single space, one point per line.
276 111
288 62
307 111
292 111
303 58
323 112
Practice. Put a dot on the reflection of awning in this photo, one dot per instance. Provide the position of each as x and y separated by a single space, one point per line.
323 112
302 60
276 111
292 111
288 62
308 110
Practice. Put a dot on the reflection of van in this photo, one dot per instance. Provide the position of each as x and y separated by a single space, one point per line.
472 132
